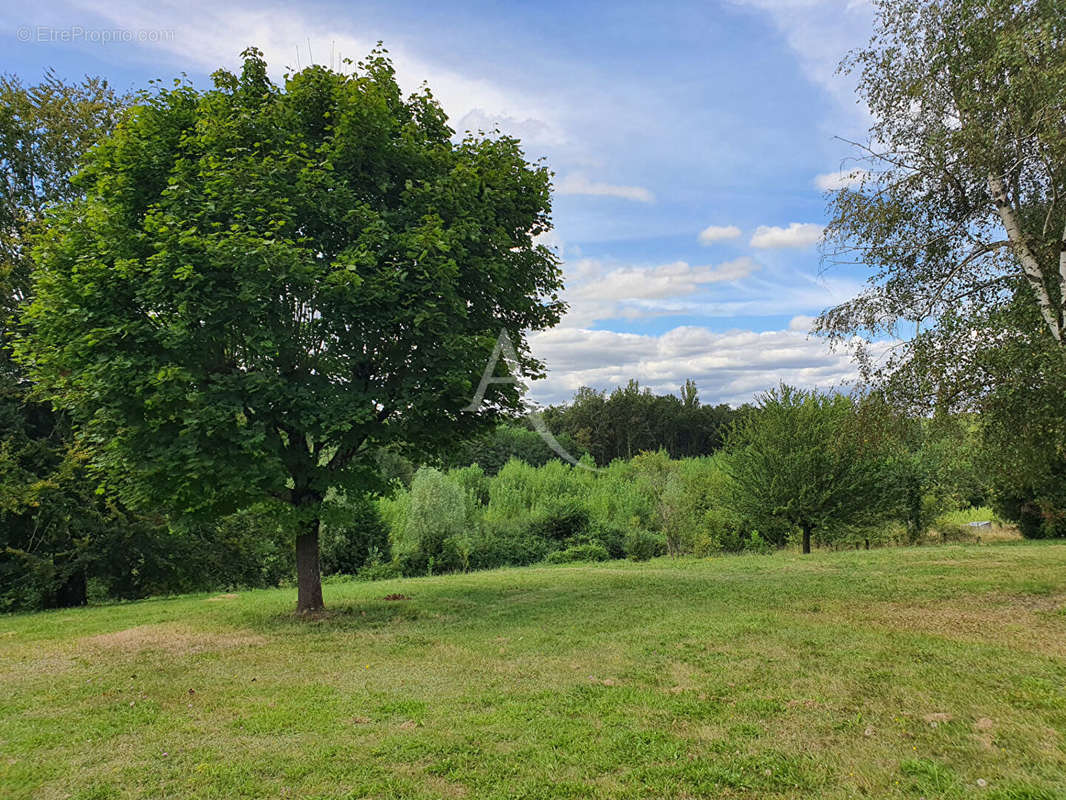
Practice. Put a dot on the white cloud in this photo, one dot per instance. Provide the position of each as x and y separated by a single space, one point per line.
577 183
551 239
801 323
848 178
669 280
211 35
798 234
598 291
728 367
715 233
533 133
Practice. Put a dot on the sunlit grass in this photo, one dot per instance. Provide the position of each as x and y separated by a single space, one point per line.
899 672
967 515
955 526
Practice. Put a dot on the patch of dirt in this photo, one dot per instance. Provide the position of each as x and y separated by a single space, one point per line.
219 597
397 597
1035 602
1020 621
171 639
685 677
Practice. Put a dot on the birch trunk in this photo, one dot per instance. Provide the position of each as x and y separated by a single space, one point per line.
1030 265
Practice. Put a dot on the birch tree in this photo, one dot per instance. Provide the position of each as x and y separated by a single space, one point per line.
957 199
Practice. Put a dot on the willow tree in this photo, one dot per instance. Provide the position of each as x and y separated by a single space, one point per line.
263 282
958 199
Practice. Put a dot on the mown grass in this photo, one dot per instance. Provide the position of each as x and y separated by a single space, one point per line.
890 673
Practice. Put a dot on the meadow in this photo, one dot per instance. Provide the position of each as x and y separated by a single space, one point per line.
905 672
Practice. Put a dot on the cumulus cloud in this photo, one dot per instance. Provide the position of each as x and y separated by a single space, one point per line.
716 233
598 291
801 323
798 234
578 184
831 181
728 367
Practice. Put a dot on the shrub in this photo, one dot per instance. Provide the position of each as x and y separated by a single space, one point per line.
506 543
436 513
612 500
379 572
612 537
561 519
640 545
352 529
475 485
1035 519
579 552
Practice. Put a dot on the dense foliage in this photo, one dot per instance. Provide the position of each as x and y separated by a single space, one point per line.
631 420
261 285
801 467
56 531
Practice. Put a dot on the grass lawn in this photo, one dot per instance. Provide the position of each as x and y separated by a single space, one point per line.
935 672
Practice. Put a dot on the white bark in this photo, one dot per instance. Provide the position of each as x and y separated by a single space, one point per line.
1062 271
1030 264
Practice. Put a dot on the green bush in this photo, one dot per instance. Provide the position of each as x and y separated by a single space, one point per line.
611 536
379 572
580 552
507 543
435 514
352 529
1036 519
559 520
640 545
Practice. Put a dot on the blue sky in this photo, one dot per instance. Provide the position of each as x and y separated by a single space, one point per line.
692 145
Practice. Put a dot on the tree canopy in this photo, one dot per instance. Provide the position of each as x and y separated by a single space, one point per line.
801 462
263 283
957 203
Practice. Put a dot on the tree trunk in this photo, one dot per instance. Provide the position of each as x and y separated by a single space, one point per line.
806 539
308 571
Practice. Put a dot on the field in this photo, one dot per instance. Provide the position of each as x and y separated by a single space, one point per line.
935 672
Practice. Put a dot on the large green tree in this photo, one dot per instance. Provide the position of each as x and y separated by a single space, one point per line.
959 199
263 283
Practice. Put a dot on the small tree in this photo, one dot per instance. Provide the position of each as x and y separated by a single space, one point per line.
800 462
263 284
